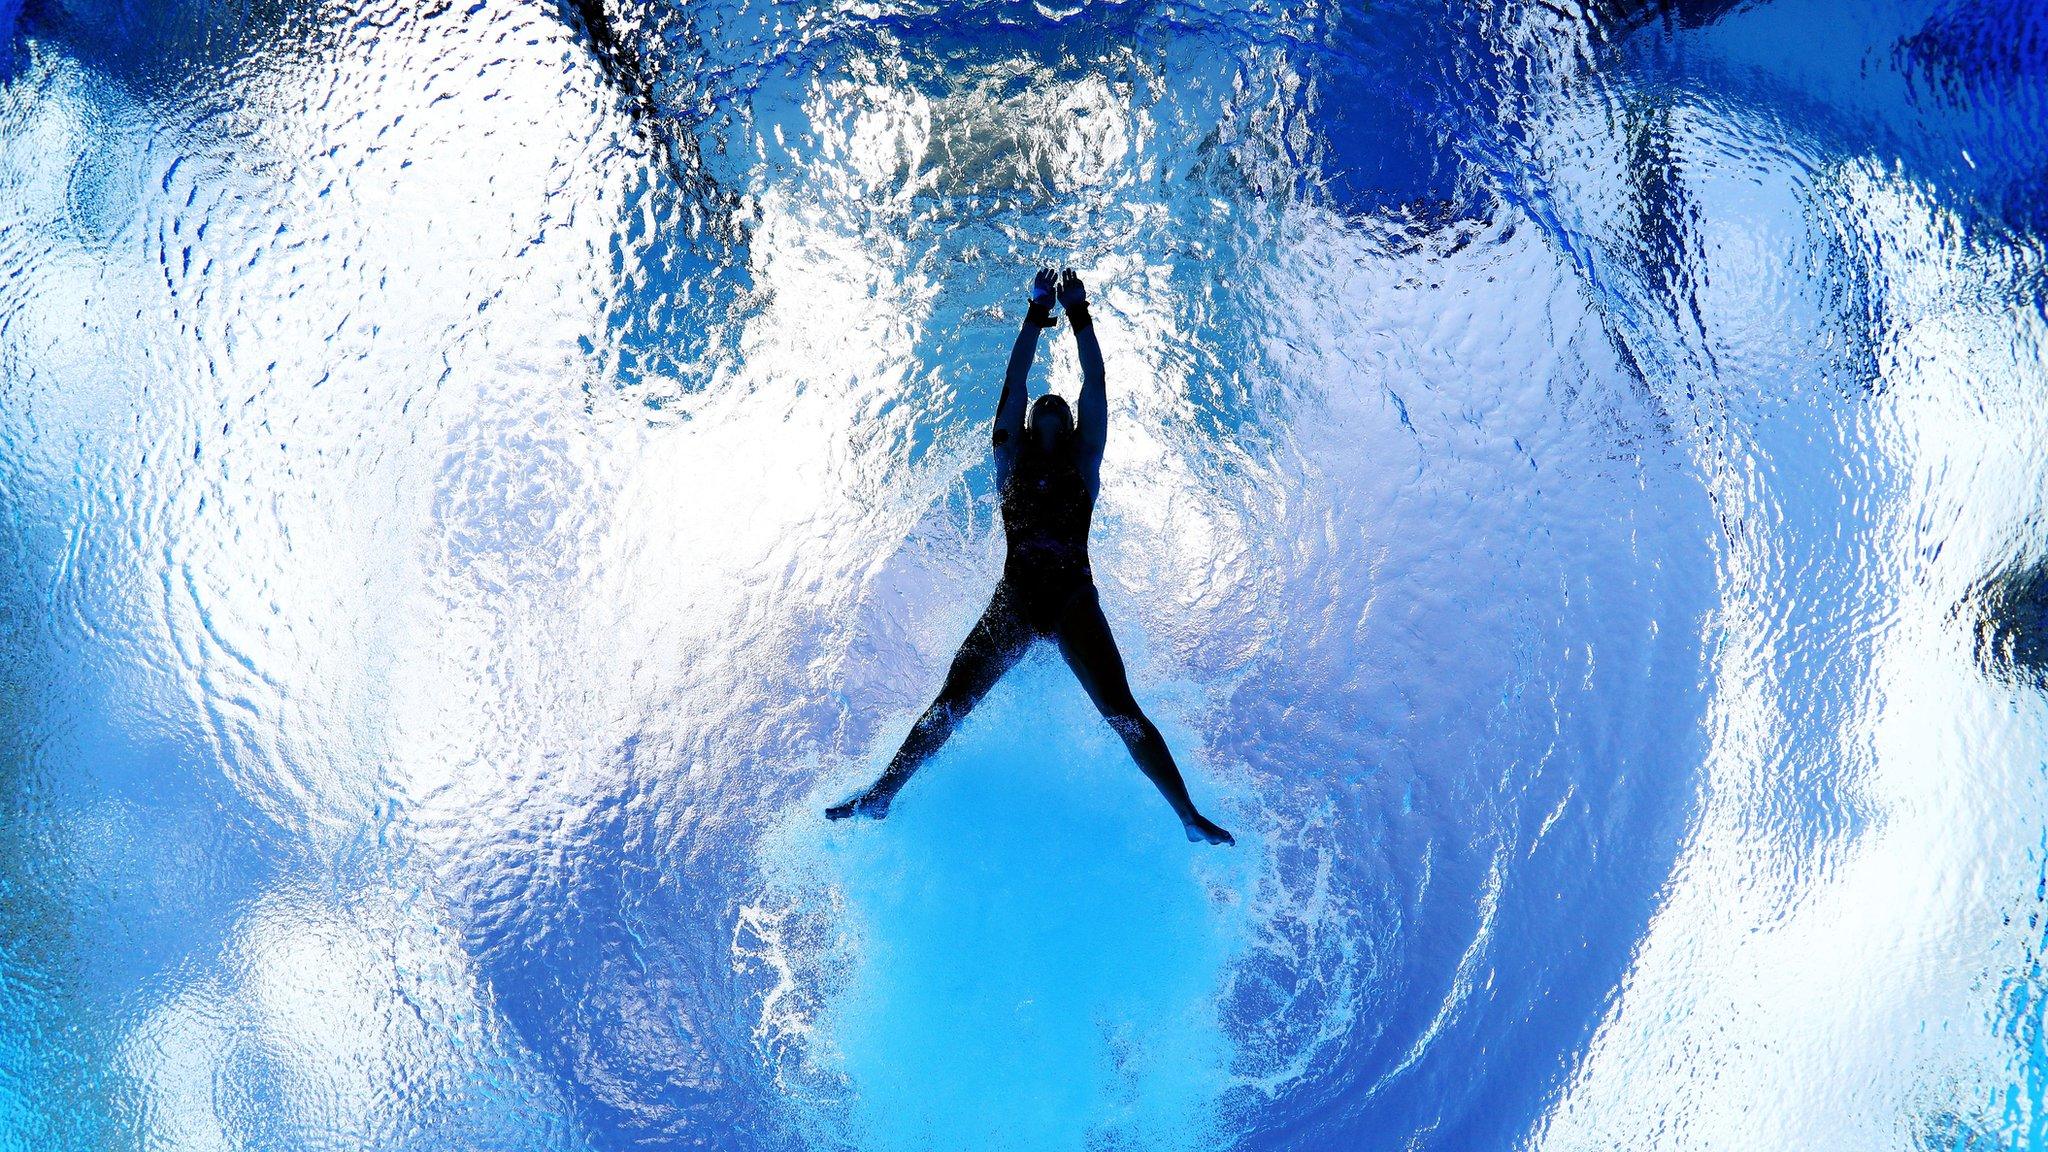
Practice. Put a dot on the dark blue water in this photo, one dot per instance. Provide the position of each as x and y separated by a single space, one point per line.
477 480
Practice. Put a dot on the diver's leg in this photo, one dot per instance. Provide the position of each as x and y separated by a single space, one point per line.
1090 649
998 639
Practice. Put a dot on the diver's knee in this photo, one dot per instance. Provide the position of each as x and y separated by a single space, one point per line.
948 710
1129 723
938 715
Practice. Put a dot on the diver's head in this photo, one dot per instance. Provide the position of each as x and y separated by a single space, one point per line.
1051 423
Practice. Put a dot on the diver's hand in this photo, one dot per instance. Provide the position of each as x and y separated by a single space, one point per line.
1073 293
1043 287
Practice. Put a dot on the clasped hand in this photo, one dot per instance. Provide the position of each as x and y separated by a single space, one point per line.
1064 285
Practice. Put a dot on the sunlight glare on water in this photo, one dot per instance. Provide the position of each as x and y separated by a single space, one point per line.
480 479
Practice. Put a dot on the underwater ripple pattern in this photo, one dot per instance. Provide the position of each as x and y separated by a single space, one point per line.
478 479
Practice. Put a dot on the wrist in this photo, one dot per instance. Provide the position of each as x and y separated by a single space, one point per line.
1039 315
1077 315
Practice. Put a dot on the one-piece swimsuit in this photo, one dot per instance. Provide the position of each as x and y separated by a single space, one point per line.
1047 509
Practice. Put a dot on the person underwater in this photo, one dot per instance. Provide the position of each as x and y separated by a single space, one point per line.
1049 471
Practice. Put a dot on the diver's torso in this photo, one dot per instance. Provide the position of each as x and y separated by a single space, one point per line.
1046 513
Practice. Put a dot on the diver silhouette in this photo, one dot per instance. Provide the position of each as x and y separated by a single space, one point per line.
1049 472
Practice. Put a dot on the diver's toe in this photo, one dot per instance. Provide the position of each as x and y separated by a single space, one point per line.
870 806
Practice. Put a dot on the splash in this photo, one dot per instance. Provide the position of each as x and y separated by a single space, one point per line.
478 479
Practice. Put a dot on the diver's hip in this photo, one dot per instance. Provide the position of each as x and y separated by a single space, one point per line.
1041 595
1048 571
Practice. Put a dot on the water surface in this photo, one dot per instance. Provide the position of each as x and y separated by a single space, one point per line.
478 482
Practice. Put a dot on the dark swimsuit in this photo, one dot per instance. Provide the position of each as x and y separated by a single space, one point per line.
1046 512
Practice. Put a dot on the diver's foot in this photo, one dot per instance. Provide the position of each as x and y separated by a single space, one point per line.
866 804
1202 828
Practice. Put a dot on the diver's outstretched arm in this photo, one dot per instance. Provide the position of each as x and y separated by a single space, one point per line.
995 643
1090 650
1091 420
1009 429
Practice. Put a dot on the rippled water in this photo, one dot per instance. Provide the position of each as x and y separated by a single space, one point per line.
477 480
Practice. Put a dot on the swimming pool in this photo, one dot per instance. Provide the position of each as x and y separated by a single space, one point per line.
478 482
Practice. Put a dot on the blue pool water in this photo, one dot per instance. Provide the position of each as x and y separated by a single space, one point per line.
478 480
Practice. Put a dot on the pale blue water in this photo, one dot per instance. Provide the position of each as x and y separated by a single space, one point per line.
1575 506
